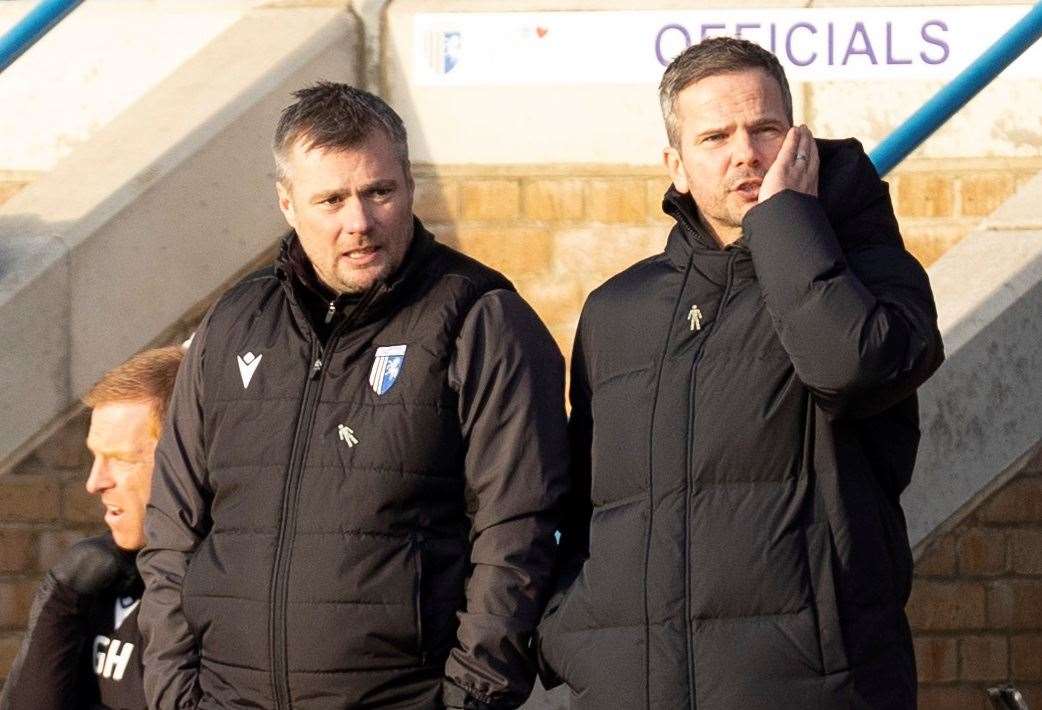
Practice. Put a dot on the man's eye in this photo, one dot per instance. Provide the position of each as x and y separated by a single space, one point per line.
714 138
381 193
333 200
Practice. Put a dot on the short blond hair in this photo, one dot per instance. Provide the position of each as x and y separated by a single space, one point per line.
148 376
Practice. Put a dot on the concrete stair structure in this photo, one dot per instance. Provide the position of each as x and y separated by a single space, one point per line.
160 208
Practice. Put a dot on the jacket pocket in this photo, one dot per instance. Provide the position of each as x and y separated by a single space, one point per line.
416 542
821 567
442 564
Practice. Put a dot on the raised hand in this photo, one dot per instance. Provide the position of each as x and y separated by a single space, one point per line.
795 168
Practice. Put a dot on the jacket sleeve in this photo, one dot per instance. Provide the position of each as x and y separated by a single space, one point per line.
50 671
176 520
851 306
510 378
578 505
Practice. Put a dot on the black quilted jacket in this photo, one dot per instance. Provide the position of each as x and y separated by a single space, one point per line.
743 423
346 525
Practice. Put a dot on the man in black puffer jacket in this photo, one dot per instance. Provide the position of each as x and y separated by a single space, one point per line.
82 649
743 423
356 496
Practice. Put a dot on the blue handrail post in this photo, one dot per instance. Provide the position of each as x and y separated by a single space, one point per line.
32 27
921 124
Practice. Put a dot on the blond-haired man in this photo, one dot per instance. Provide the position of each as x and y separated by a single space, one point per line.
82 648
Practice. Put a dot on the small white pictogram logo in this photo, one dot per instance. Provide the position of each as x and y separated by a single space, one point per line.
347 436
247 366
695 316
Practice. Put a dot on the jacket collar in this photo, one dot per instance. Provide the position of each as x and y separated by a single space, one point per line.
691 244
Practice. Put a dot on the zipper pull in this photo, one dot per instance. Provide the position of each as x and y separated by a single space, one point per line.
316 368
331 312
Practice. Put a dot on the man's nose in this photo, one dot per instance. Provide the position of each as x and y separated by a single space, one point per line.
99 479
744 150
355 216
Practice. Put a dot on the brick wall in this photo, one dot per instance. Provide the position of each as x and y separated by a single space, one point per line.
976 607
560 231
44 508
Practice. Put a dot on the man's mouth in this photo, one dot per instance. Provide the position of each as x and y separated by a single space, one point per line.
362 255
749 189
112 512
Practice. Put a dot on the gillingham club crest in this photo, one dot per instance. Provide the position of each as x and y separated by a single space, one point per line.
386 366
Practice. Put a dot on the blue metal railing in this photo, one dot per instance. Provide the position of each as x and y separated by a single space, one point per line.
32 27
921 124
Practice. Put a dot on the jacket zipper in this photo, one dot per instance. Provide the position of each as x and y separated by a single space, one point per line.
689 476
288 513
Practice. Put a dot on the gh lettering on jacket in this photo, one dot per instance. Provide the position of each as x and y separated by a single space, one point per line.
111 657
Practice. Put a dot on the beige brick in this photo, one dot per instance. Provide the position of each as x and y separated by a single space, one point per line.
436 200
982 193
553 200
555 299
952 698
982 552
936 606
983 658
936 659
16 551
29 498
489 200
65 449
16 596
656 190
9 645
1020 501
1026 656
79 506
938 560
616 200
928 240
516 251
1026 550
1027 604
925 195
1000 604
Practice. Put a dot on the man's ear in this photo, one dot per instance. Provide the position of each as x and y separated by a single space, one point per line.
286 203
675 167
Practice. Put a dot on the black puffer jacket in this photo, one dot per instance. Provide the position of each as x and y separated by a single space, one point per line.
743 423
311 540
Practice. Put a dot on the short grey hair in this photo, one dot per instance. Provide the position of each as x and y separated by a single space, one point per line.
716 55
336 117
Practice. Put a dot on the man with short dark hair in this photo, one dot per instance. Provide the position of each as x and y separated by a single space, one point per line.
83 648
355 502
743 422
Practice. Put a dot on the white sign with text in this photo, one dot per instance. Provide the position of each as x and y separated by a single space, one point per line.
814 44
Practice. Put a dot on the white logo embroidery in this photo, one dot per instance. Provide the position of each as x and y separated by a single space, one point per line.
347 435
695 316
386 367
247 366
125 605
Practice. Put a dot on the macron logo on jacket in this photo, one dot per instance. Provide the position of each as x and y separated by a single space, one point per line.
247 366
